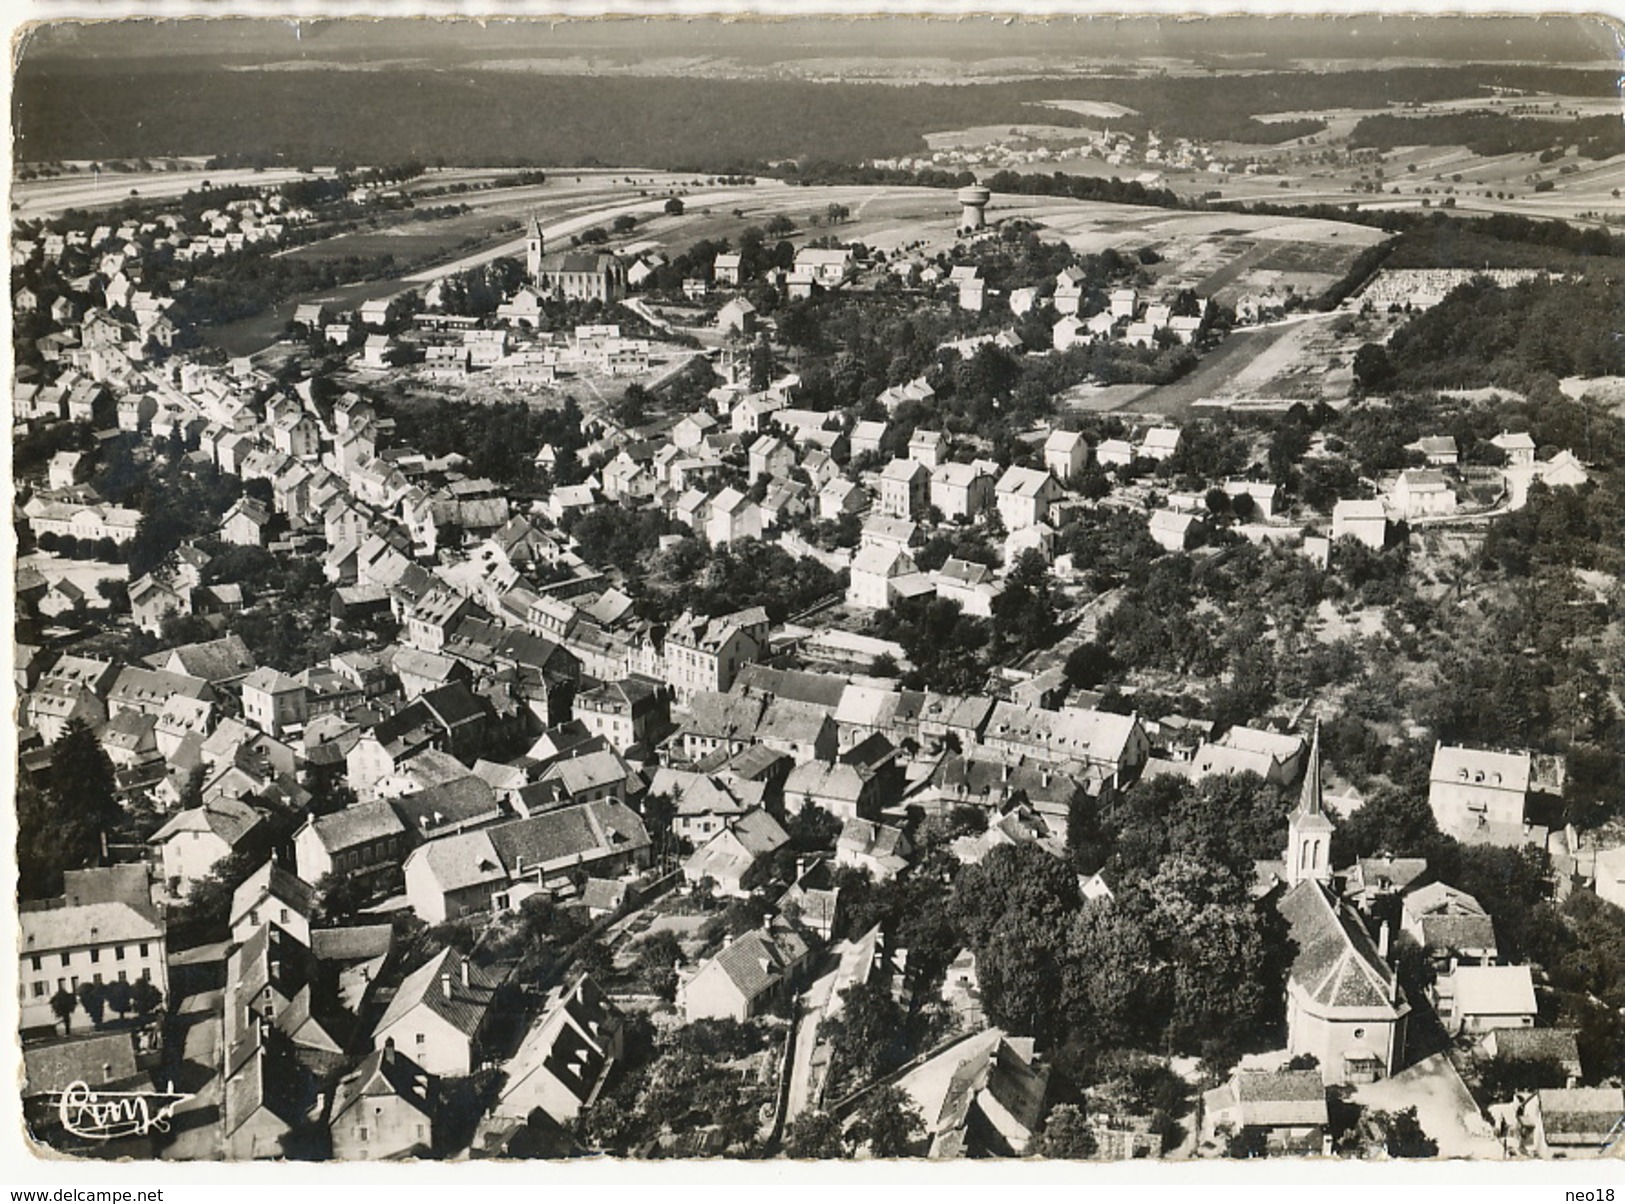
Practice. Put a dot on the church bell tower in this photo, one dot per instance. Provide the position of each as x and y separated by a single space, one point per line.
1309 832
533 250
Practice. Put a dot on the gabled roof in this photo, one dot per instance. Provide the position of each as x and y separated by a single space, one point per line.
1336 963
384 1072
272 881
89 924
447 806
356 825
1580 1115
1285 1098
461 1005
569 835
572 1045
759 960
226 818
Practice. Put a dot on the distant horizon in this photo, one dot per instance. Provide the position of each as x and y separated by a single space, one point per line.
1284 40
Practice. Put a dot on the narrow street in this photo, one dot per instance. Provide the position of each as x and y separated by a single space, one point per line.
197 1122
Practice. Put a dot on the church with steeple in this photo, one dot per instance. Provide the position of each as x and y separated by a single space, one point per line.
1344 1004
572 275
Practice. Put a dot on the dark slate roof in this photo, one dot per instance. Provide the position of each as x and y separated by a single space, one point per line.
358 824
93 1059
464 1007
214 660
360 942
385 1072
1336 963
448 805
817 689
587 830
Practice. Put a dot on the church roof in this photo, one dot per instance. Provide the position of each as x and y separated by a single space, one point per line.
1336 964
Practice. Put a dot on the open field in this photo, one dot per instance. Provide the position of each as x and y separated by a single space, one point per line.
1218 253
91 190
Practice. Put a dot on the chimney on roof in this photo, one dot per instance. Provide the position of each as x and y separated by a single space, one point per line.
1382 941
445 985
465 971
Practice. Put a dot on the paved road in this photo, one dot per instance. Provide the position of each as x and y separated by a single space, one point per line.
809 1061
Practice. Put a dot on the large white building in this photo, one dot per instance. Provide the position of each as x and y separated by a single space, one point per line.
65 947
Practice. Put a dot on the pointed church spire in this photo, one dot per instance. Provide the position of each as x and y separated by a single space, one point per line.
1309 799
1308 841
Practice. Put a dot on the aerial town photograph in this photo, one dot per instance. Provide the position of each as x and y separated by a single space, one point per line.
835 589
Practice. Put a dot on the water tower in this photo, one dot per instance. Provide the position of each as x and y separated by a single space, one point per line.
973 201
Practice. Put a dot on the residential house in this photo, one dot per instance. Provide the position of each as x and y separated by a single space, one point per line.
982 1097
194 841
439 1015
264 1099
753 973
384 1109
1253 500
1363 520
845 791
1066 454
365 841
733 516
1519 448
803 733
247 524
1024 497
1422 492
274 702
1277 757
1476 999
881 849
873 574
865 438
738 316
840 497
1174 531
927 447
628 713
565 1060
1449 925
272 895
1555 1046
961 491
707 653
1574 1122
274 980
904 489
1160 442
736 859
496 868
1482 796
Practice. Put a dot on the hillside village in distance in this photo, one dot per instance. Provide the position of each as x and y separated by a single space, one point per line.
746 698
